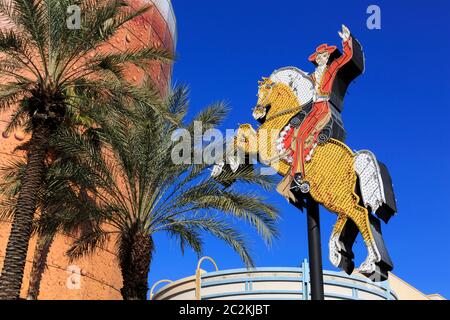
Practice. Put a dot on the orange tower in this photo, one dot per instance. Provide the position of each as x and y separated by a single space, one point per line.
97 276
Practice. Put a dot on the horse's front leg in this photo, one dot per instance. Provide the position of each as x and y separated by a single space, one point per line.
244 143
246 139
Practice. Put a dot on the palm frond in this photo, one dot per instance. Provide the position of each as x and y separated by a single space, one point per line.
87 243
219 228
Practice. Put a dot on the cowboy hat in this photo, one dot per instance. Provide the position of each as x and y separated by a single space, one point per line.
321 49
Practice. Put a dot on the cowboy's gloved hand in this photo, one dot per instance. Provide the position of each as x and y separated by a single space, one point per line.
345 34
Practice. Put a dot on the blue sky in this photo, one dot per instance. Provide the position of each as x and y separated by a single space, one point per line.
399 109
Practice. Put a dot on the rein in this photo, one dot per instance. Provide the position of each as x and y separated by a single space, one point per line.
280 157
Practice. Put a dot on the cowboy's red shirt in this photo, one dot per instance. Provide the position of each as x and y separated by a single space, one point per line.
330 72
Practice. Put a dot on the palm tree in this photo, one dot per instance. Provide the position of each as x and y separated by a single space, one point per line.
48 71
56 195
55 187
140 191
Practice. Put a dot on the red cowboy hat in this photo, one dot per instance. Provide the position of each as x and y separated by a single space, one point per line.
321 49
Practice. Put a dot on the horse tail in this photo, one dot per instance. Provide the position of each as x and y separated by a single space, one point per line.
375 185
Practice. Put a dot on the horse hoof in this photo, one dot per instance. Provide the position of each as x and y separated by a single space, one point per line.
234 163
347 265
377 274
217 169
368 268
339 257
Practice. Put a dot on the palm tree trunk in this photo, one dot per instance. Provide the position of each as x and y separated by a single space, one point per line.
16 250
135 264
41 251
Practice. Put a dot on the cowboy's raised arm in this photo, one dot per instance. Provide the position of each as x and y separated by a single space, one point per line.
347 47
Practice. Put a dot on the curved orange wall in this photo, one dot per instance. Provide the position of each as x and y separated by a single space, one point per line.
98 276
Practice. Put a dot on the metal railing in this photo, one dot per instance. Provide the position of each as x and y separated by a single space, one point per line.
357 285
198 276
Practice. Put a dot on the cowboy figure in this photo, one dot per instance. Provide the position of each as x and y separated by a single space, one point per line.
305 136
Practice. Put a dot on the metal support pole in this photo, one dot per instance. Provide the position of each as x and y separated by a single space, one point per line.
314 249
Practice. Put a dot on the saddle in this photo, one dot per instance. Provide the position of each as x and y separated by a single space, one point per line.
334 129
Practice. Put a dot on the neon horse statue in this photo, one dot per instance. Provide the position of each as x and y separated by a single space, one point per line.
349 184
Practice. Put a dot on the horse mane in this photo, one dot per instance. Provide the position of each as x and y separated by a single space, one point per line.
298 80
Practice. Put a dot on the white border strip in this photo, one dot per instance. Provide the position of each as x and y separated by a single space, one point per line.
165 8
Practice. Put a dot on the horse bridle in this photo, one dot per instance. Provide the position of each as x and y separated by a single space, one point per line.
282 113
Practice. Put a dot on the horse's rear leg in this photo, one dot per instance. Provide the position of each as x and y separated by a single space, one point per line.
385 264
341 243
377 263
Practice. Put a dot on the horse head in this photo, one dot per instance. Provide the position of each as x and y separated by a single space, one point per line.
265 98
285 89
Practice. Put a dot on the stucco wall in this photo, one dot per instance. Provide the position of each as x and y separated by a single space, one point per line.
94 277
405 291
